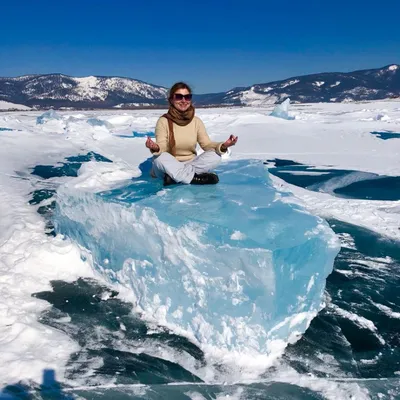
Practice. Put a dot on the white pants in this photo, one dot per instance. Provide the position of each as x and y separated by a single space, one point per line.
183 171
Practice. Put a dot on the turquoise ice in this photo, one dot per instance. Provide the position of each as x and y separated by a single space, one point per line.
236 266
46 116
99 122
282 110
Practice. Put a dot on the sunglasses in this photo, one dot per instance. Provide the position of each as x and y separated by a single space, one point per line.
187 97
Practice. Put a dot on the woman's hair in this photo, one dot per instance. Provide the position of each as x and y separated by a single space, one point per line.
177 86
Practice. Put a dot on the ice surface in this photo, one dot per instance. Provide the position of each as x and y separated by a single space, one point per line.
143 134
48 115
231 266
99 122
327 134
382 117
282 110
6 105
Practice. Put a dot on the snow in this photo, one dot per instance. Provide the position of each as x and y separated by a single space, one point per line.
88 88
290 83
126 105
333 135
6 105
92 87
250 97
267 89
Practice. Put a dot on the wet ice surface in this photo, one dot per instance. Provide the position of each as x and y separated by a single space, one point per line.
342 183
352 346
386 135
366 264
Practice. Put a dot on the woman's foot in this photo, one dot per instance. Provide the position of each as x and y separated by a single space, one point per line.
207 178
168 180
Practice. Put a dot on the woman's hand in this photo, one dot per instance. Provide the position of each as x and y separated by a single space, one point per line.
153 146
230 142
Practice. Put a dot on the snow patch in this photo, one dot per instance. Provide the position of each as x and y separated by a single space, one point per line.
289 83
6 105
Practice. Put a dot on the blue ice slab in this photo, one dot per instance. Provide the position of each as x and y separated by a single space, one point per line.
282 110
137 134
143 134
232 265
385 135
48 115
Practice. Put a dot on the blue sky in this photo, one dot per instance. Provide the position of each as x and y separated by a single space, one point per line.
213 45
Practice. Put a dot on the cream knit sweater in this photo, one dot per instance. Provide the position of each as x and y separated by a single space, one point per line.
186 139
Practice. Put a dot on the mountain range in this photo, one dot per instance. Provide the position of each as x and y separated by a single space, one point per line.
62 91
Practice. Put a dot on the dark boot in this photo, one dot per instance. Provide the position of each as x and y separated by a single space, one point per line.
207 178
168 180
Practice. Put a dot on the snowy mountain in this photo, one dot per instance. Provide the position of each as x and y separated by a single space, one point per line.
371 84
56 90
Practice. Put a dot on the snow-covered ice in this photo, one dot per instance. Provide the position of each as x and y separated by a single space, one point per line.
6 105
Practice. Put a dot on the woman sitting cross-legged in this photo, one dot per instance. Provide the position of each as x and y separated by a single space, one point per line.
177 134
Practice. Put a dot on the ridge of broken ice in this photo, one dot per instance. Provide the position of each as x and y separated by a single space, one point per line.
232 267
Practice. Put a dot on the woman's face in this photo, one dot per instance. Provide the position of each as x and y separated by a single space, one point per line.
182 99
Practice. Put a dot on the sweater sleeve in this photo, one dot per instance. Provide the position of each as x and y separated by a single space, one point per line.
161 136
204 140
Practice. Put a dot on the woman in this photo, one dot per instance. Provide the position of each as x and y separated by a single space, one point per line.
177 134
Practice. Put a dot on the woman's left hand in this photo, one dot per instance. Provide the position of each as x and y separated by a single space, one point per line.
231 141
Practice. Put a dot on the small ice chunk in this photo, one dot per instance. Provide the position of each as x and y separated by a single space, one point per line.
237 235
99 122
282 110
382 117
48 115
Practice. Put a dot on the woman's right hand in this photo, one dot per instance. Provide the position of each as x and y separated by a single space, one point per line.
153 146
